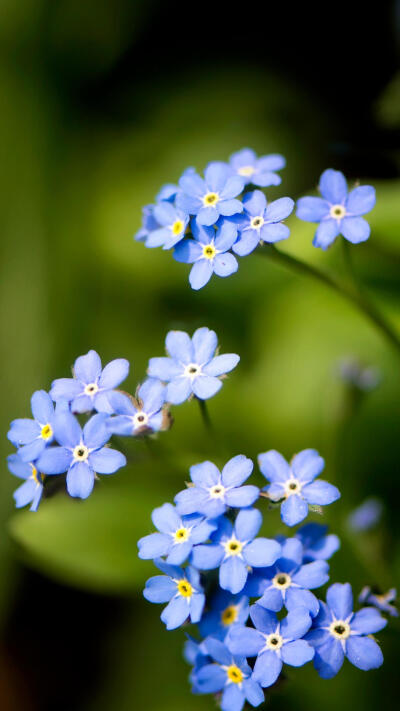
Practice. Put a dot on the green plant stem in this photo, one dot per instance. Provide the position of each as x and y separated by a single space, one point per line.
205 415
351 293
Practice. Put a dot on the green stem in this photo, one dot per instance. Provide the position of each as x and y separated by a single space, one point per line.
353 295
205 415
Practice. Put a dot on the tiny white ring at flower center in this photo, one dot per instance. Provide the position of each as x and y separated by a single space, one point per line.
217 491
282 581
273 641
91 389
337 212
192 370
140 419
292 486
340 629
80 453
257 222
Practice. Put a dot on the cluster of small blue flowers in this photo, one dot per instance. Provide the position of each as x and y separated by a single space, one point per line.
54 443
214 526
207 221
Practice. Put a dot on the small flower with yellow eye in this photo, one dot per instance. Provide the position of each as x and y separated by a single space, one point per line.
181 589
208 252
33 436
212 196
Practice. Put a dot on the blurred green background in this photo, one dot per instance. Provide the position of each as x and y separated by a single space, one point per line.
104 102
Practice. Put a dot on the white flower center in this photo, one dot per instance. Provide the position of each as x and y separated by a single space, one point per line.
192 370
140 419
80 453
233 547
257 222
340 629
273 641
91 389
292 486
217 491
282 581
337 212
246 171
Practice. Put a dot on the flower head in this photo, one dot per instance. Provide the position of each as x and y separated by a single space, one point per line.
30 492
192 367
338 632
208 252
258 171
32 436
337 211
261 222
211 197
317 544
138 415
366 516
213 491
225 611
382 601
229 674
177 535
234 548
172 224
181 589
295 483
149 226
81 454
90 386
273 642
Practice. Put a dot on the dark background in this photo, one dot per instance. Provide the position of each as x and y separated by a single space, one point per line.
103 101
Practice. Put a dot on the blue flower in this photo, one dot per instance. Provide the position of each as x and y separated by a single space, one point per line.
82 453
261 222
338 632
209 253
211 197
234 548
273 642
172 226
30 492
317 545
288 582
192 367
177 535
258 171
141 414
337 211
89 388
214 491
229 674
168 192
181 589
382 601
149 225
366 516
295 483
33 436
225 610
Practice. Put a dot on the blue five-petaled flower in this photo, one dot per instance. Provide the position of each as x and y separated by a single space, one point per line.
224 611
181 589
214 196
337 211
30 492
138 415
33 436
260 222
258 171
208 252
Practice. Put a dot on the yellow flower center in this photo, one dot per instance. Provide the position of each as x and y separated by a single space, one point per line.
184 588
91 389
46 432
337 212
274 641
81 453
38 478
246 171
257 222
282 581
209 251
177 227
181 535
339 629
140 419
229 615
234 674
210 199
233 547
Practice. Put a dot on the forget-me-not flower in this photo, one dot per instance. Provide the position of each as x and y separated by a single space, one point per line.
258 171
337 211
82 454
317 543
141 414
234 548
32 436
366 516
213 491
149 225
382 601
177 535
273 642
181 589
208 252
167 192
172 226
225 610
90 386
295 483
338 632
214 196
261 222
30 492
192 367
229 674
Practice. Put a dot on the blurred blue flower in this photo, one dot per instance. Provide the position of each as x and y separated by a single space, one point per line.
181 589
177 535
90 386
338 212
317 544
172 224
168 192
191 367
213 491
295 483
363 378
288 582
208 252
338 632
211 197
32 436
81 454
225 611
366 516
149 225
234 548
141 414
229 674
258 171
273 642
261 222
30 492
382 601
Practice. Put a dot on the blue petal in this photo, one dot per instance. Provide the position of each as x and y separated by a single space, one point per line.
179 552
274 233
21 469
267 668
242 496
207 557
297 597
179 346
216 175
355 229
205 474
312 209
292 551
294 510
200 274
333 186
329 658
121 403
296 624
154 546
205 343
227 208
23 431
221 364
210 679
107 461
226 236
165 213
82 403
307 465
225 264
54 460
188 251
192 184
25 493
255 203
65 389
95 432
67 430
178 391
279 209
274 467
87 368
42 406
218 651
271 600
191 501
159 588
239 468
326 233
312 575
368 621
166 519
361 200
152 395
188 203
262 552
245 641
114 373
297 653
321 493
340 600
364 653
265 178
253 692
233 574
205 386
30 452
164 368
234 186
248 524
248 241
233 698
176 612
80 480
207 216
274 161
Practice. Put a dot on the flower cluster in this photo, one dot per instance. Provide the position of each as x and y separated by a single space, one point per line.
252 597
207 221
54 442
